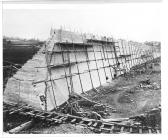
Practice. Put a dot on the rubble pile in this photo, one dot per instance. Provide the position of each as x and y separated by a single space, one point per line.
151 118
146 84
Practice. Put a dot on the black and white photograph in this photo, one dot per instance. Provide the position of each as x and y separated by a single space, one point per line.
81 68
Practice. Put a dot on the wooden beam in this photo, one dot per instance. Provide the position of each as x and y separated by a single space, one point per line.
21 127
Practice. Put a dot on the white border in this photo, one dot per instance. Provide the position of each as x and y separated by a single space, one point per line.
164 76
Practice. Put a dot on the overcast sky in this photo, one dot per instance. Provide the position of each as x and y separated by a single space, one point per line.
136 21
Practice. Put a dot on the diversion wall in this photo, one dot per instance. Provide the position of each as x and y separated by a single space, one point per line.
71 62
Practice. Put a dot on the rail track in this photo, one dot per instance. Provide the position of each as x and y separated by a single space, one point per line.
53 118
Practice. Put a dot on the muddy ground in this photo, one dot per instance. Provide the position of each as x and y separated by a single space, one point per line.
60 129
128 97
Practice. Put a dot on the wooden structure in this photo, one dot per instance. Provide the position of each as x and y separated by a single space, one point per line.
73 63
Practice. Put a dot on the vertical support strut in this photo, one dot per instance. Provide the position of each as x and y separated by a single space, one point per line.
130 48
121 63
49 73
124 52
77 64
113 53
65 69
87 63
143 61
70 73
116 57
140 53
136 56
45 92
103 61
130 60
96 63
108 60
134 52
19 91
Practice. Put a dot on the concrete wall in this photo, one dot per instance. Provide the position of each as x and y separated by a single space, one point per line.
95 62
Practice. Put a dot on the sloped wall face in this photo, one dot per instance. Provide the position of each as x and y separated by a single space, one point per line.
79 63
73 63
20 88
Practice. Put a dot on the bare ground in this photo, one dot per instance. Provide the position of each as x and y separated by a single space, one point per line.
59 129
128 98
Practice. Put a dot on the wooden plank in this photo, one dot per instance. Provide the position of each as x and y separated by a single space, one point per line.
72 121
130 130
95 124
64 118
140 130
122 129
150 130
89 124
112 129
55 120
106 130
157 131
92 101
21 127
81 122
15 111
102 126
31 113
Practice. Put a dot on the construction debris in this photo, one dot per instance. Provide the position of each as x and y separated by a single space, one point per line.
146 84
96 125
151 118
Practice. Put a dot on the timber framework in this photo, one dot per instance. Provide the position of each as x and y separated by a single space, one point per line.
68 66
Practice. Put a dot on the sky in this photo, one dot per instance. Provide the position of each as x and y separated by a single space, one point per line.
130 21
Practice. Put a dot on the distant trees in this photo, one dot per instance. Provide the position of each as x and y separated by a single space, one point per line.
10 41
155 44
5 38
